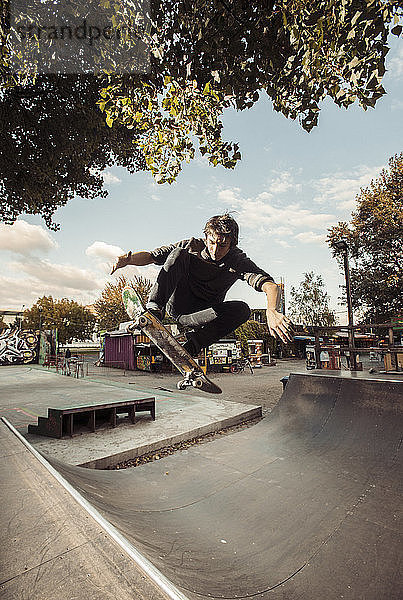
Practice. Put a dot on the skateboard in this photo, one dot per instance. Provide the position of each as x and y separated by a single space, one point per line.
162 338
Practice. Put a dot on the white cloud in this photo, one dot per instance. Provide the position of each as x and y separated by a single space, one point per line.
309 237
16 292
284 231
264 196
24 238
282 183
340 189
259 215
104 250
229 196
104 254
66 277
269 217
38 278
110 178
395 64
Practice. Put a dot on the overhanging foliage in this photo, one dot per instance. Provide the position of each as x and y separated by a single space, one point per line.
206 57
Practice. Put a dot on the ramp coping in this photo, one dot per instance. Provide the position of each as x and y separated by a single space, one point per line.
347 376
162 582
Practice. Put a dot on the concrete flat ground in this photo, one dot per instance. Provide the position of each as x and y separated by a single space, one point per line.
27 392
264 387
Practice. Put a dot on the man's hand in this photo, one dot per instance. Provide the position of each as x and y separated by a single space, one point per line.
138 259
122 261
279 325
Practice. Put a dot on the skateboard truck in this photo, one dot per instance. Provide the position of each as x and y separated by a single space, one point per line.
191 379
141 321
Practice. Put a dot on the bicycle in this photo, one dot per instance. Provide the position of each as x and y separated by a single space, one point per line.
240 365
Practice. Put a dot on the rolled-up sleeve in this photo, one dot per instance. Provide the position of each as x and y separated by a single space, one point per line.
250 272
256 280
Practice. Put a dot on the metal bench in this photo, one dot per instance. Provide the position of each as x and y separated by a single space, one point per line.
67 421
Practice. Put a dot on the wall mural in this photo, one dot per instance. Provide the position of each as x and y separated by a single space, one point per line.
18 346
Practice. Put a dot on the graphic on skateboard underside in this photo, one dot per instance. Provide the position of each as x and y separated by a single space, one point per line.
132 303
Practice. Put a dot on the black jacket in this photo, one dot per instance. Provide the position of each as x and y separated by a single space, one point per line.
215 278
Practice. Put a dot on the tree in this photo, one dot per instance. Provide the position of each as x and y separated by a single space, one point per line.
55 145
375 241
252 330
309 303
72 320
209 56
109 306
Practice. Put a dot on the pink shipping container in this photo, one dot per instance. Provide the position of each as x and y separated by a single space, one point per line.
119 351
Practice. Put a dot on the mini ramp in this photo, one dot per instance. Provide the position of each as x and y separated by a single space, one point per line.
304 505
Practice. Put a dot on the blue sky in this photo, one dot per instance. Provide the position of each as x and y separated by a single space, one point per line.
289 188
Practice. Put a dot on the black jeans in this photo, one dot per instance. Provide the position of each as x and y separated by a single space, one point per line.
175 290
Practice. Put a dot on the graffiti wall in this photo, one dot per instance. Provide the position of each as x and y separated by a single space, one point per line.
18 346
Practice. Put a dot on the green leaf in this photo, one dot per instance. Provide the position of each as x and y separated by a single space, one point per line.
397 30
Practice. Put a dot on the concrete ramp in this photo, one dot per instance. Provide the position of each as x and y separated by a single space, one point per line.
305 505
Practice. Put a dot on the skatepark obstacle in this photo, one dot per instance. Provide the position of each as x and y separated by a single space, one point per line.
68 420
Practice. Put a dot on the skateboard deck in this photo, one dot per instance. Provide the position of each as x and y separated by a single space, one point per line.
162 338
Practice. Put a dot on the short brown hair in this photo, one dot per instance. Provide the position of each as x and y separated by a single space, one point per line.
223 225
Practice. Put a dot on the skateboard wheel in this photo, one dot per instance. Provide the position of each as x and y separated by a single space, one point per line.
198 382
181 385
143 321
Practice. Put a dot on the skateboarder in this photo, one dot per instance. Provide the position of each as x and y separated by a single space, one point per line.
195 277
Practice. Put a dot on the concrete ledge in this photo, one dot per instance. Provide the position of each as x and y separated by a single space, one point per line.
178 419
179 416
113 459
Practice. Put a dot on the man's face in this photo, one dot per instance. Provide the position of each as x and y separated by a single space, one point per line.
218 245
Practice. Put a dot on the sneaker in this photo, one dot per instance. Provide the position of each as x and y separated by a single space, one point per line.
191 346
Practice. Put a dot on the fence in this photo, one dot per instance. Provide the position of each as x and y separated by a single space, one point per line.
354 350
66 366
107 369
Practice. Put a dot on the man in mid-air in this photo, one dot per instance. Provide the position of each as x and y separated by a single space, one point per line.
195 277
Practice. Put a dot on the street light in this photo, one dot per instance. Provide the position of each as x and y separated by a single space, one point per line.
343 247
22 316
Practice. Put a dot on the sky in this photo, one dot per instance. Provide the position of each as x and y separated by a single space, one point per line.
289 188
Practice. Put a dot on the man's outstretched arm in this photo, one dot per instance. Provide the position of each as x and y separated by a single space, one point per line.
279 325
137 259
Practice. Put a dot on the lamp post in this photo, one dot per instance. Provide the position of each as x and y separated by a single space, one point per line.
343 246
40 309
22 316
